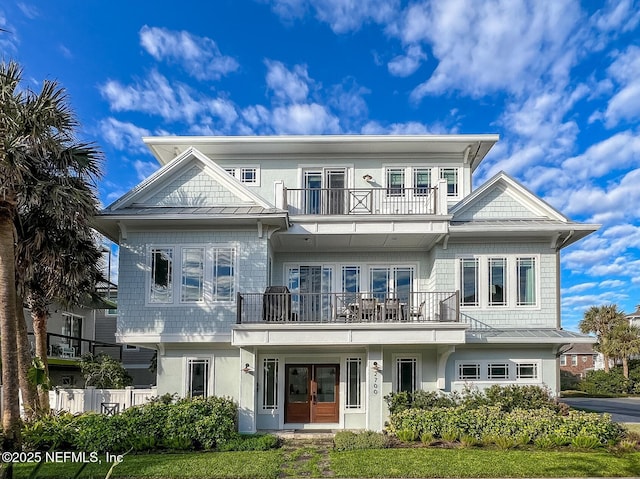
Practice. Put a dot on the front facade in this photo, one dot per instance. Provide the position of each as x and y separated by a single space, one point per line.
308 277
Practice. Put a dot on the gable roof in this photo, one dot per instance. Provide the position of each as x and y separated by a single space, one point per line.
192 190
191 156
503 205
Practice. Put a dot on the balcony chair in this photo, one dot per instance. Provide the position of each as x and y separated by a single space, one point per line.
368 309
392 310
276 304
418 313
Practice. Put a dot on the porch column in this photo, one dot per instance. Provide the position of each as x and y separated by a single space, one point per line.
375 404
443 355
247 396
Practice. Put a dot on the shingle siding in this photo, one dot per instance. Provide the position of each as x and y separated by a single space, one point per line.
137 318
495 204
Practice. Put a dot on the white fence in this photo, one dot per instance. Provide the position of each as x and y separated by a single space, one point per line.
107 401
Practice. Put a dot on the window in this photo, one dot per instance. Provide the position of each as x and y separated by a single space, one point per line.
497 280
161 275
130 347
206 273
354 379
574 360
498 371
197 377
406 374
469 281
526 281
192 275
421 181
350 283
223 274
451 175
248 175
270 383
490 282
395 182
386 281
563 360
527 371
468 371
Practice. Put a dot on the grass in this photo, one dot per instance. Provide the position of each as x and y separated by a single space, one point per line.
423 462
255 464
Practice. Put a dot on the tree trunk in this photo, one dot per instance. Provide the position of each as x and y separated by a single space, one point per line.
27 388
625 366
40 334
606 362
10 385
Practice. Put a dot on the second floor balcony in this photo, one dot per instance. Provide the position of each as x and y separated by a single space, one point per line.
277 305
62 346
366 201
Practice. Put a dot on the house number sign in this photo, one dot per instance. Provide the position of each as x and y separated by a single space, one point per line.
376 383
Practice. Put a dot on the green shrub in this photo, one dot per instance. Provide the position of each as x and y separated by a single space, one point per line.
504 442
602 382
469 441
427 438
398 402
407 435
544 442
349 440
585 442
55 431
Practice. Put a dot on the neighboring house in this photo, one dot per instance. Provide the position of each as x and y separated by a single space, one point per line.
134 359
70 334
634 318
579 359
308 277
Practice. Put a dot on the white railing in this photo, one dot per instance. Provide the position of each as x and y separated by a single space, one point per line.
107 401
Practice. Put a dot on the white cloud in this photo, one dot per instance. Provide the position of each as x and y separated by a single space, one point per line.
341 15
348 100
405 65
625 104
9 38
304 119
405 128
145 168
199 56
65 51
288 85
154 95
223 109
123 135
497 45
617 16
28 11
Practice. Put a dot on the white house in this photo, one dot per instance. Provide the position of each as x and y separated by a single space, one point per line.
309 276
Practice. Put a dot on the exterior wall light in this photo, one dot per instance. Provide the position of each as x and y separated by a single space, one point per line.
247 368
375 366
367 177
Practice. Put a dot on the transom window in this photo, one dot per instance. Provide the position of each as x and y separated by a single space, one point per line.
206 273
248 175
499 371
488 281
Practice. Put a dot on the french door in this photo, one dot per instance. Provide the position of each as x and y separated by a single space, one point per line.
325 191
312 393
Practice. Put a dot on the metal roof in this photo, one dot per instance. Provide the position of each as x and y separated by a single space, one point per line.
542 336
144 210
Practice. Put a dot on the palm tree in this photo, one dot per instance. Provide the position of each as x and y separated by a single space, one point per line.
37 147
624 342
601 320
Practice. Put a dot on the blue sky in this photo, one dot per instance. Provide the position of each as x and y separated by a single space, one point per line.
558 80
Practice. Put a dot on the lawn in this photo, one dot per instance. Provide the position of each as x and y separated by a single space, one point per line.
411 462
433 462
216 465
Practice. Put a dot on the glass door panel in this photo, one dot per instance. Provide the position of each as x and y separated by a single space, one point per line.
298 400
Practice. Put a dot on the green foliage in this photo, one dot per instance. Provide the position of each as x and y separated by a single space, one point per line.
104 372
349 440
568 380
37 374
400 401
504 442
198 423
468 440
586 441
521 425
602 382
407 435
544 442
427 438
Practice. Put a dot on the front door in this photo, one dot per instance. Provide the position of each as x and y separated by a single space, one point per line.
312 393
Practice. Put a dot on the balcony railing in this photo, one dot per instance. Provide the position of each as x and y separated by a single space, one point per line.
291 307
362 201
70 347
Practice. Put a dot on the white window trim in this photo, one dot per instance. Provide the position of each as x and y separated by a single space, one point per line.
261 389
361 384
185 382
409 355
348 167
513 371
237 173
176 279
436 170
510 279
563 360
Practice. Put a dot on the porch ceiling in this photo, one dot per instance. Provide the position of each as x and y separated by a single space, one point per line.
347 334
343 235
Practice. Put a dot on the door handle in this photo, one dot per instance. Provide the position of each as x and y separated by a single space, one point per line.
314 399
